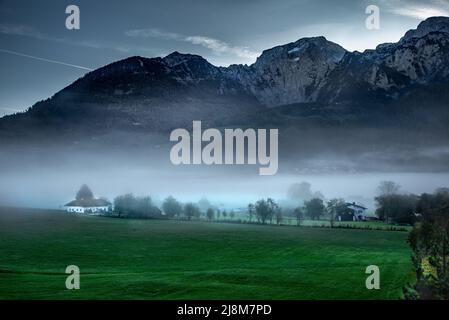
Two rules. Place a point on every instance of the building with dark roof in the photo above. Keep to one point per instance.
(353, 212)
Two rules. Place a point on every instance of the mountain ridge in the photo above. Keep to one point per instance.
(326, 82)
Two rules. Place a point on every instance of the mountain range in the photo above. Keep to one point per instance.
(311, 83)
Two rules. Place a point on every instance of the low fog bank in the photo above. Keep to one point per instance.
(337, 163)
(52, 183)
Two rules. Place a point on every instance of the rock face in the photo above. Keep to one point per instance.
(160, 94)
(314, 69)
(433, 24)
(292, 73)
(420, 58)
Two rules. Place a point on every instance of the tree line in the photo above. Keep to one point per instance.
(392, 206)
(130, 206)
(267, 211)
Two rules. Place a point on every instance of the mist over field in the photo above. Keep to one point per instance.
(48, 177)
(347, 120)
(207, 150)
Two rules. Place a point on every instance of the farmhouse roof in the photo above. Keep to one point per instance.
(86, 203)
(355, 205)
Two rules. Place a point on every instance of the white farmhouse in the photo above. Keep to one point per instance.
(86, 203)
(90, 207)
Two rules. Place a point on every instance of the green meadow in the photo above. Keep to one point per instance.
(168, 259)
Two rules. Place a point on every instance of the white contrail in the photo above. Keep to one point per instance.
(46, 60)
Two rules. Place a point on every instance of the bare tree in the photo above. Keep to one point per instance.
(263, 210)
(278, 213)
(299, 214)
(314, 208)
(172, 207)
(300, 191)
(386, 190)
(251, 211)
(191, 210)
(210, 214)
(332, 208)
(274, 207)
(84, 193)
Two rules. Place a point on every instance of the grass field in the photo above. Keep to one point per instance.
(150, 259)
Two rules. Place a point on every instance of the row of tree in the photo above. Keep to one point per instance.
(263, 211)
(403, 208)
(130, 206)
(268, 210)
(392, 207)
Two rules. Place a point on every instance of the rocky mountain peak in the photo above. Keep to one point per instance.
(433, 24)
(293, 72)
(176, 58)
(190, 66)
(314, 48)
(392, 70)
(309, 70)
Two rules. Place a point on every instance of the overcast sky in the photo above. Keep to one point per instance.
(39, 56)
